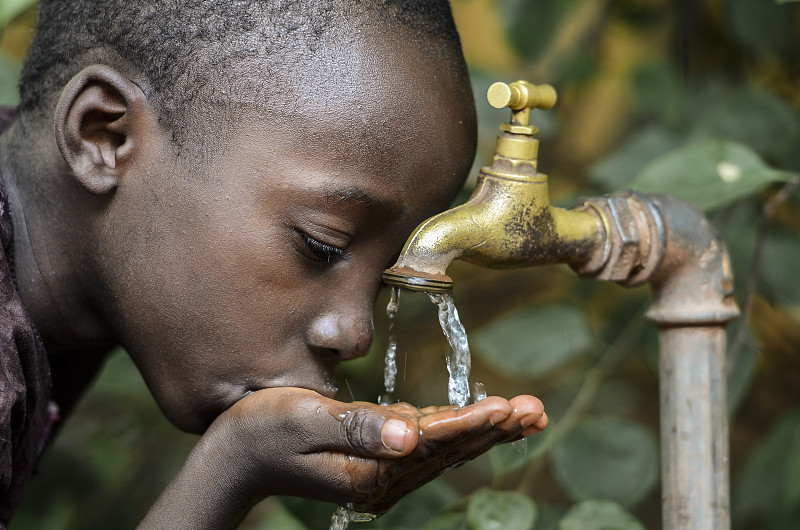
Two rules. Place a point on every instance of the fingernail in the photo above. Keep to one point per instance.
(394, 433)
(529, 420)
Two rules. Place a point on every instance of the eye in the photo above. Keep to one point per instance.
(321, 252)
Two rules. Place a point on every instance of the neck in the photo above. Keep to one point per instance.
(45, 250)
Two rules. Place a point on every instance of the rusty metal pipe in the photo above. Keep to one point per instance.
(694, 428)
(664, 241)
(692, 302)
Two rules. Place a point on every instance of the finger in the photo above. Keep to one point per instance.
(436, 408)
(364, 429)
(406, 410)
(438, 431)
(537, 426)
(450, 425)
(399, 484)
(527, 410)
(450, 437)
(502, 424)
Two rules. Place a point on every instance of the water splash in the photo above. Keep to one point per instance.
(478, 392)
(458, 366)
(342, 518)
(394, 304)
(458, 357)
(390, 361)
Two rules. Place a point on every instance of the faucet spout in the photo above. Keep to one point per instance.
(508, 222)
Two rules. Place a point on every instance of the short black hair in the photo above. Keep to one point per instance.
(180, 47)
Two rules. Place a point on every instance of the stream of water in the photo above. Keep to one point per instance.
(458, 366)
(458, 357)
(390, 360)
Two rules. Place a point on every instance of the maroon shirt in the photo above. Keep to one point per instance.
(24, 374)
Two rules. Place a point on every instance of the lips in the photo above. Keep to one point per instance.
(325, 385)
(325, 388)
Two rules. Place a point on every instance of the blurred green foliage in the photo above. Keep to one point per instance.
(699, 99)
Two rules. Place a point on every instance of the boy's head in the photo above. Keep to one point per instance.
(201, 59)
(237, 176)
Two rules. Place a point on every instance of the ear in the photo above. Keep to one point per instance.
(100, 117)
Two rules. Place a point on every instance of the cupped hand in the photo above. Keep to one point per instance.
(292, 441)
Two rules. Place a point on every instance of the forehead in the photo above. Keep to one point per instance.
(374, 88)
(367, 108)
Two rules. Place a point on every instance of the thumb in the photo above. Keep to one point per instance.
(366, 430)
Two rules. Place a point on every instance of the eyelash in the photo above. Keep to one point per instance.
(321, 251)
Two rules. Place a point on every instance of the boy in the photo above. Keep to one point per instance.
(217, 186)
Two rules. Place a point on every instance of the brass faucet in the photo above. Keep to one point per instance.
(508, 221)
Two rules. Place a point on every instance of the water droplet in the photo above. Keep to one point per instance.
(521, 446)
(478, 392)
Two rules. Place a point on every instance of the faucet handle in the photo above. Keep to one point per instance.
(521, 95)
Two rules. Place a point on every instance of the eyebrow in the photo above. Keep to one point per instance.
(353, 194)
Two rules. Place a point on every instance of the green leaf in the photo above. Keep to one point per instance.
(617, 170)
(779, 266)
(791, 477)
(599, 515)
(607, 458)
(509, 457)
(785, 1)
(657, 89)
(764, 122)
(9, 9)
(531, 24)
(762, 26)
(709, 175)
(769, 487)
(447, 521)
(500, 510)
(416, 508)
(741, 374)
(533, 341)
(548, 516)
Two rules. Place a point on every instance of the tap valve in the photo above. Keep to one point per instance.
(517, 150)
(521, 97)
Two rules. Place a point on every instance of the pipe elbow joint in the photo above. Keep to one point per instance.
(664, 241)
(693, 284)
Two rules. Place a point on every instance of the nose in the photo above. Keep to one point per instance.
(346, 337)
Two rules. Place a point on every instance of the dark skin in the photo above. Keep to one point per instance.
(237, 286)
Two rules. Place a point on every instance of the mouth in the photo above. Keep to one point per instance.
(328, 389)
(326, 386)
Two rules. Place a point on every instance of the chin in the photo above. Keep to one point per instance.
(195, 417)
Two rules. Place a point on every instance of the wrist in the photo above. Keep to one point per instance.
(209, 491)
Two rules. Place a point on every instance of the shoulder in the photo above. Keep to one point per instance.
(24, 380)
